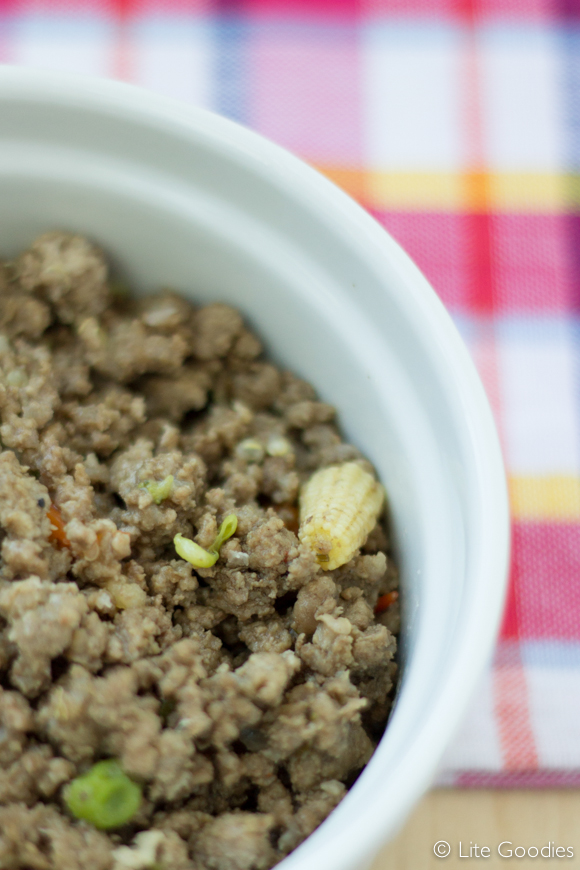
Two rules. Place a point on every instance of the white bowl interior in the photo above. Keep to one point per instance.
(213, 211)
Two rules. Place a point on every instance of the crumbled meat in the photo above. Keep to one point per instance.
(69, 272)
(16, 720)
(305, 414)
(215, 329)
(236, 841)
(310, 598)
(243, 697)
(258, 386)
(266, 636)
(42, 618)
(174, 397)
(44, 839)
(314, 808)
(124, 348)
(27, 317)
(23, 519)
(153, 848)
(104, 421)
(28, 395)
(36, 774)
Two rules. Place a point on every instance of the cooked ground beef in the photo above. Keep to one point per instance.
(243, 698)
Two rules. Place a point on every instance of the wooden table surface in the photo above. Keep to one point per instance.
(486, 818)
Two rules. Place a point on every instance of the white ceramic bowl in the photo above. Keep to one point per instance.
(181, 197)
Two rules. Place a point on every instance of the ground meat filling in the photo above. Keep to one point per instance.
(243, 698)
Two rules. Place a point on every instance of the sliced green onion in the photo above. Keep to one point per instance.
(227, 529)
(159, 491)
(193, 553)
(278, 446)
(103, 796)
(16, 378)
(196, 555)
(250, 449)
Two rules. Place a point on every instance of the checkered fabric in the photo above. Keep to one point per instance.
(456, 123)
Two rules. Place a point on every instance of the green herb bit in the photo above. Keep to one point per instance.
(159, 491)
(193, 553)
(227, 529)
(278, 446)
(103, 796)
(196, 555)
(250, 449)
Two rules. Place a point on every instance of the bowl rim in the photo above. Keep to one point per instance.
(475, 637)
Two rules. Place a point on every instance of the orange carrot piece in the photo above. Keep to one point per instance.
(385, 601)
(57, 534)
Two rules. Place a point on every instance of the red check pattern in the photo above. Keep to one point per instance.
(456, 123)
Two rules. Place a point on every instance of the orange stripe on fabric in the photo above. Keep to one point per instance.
(476, 183)
(460, 192)
(511, 708)
(415, 191)
(477, 190)
(554, 497)
(352, 181)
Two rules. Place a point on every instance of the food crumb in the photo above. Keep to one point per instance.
(235, 696)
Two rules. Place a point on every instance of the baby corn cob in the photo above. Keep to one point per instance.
(339, 506)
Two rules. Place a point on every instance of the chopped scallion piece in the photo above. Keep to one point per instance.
(103, 796)
(159, 491)
(193, 553)
(227, 529)
(196, 555)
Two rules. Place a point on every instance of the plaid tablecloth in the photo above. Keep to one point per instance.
(457, 125)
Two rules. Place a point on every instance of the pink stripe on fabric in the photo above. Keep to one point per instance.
(306, 92)
(436, 242)
(517, 779)
(138, 8)
(108, 8)
(423, 8)
(304, 8)
(547, 562)
(511, 709)
(350, 9)
(480, 285)
(6, 45)
(531, 263)
(48, 8)
(121, 67)
(532, 9)
(509, 629)
(527, 9)
(529, 258)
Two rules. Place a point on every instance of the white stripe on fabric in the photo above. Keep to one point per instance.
(412, 96)
(521, 98)
(538, 387)
(476, 745)
(554, 701)
(79, 45)
(174, 58)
